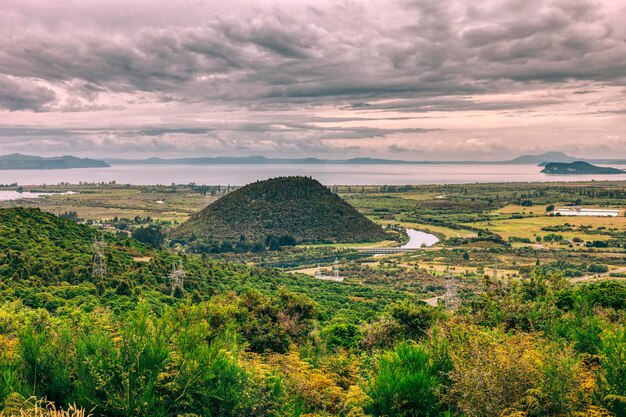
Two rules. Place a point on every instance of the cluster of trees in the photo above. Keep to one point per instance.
(124, 224)
(551, 237)
(151, 235)
(213, 190)
(243, 245)
(70, 215)
(558, 228)
(571, 269)
(199, 246)
(597, 244)
(483, 236)
(516, 239)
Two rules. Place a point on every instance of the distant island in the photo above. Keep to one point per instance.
(19, 161)
(578, 168)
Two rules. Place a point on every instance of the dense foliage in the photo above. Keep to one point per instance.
(240, 340)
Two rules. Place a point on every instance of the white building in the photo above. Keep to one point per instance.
(581, 211)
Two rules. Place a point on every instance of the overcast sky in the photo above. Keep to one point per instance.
(404, 79)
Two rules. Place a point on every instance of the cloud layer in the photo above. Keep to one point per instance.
(423, 78)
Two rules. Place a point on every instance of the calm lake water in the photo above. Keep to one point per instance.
(327, 174)
(417, 239)
(14, 195)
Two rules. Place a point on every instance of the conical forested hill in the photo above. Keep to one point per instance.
(299, 207)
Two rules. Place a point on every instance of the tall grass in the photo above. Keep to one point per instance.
(613, 362)
(119, 373)
(47, 358)
(41, 408)
(137, 365)
(10, 380)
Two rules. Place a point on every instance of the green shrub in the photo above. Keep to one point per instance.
(404, 383)
(344, 335)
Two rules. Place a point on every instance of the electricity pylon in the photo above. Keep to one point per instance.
(177, 277)
(451, 296)
(99, 267)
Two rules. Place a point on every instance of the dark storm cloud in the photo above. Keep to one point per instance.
(439, 48)
(163, 131)
(257, 137)
(23, 94)
(547, 41)
(291, 131)
(455, 104)
(398, 149)
(34, 132)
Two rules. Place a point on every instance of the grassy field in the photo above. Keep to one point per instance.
(515, 208)
(530, 227)
(426, 196)
(541, 209)
(104, 202)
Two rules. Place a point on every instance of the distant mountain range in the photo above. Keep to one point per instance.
(543, 158)
(19, 161)
(261, 160)
(253, 160)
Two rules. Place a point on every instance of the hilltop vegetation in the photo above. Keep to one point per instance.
(296, 207)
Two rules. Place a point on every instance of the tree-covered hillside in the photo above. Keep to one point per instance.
(39, 250)
(299, 207)
(35, 245)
